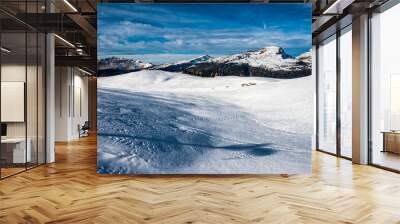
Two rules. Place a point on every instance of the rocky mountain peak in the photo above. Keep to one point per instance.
(305, 57)
(273, 51)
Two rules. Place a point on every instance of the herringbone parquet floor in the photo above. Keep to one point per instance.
(70, 191)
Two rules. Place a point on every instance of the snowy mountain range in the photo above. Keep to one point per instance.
(179, 66)
(116, 66)
(271, 62)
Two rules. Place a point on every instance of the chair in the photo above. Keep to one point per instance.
(84, 130)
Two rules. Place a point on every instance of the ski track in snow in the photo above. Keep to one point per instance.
(153, 130)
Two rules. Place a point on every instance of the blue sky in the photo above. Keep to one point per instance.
(161, 33)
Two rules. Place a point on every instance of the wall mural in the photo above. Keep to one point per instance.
(204, 88)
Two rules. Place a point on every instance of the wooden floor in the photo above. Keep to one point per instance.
(5, 172)
(387, 159)
(70, 191)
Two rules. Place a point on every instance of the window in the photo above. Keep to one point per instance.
(346, 92)
(22, 77)
(327, 95)
(395, 102)
(385, 89)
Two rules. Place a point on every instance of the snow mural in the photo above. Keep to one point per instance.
(204, 89)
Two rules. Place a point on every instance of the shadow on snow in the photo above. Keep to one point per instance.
(134, 125)
(253, 149)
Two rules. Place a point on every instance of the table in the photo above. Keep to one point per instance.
(13, 150)
(391, 141)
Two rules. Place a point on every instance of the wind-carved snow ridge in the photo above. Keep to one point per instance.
(153, 121)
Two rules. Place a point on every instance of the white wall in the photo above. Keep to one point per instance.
(13, 72)
(13, 101)
(62, 82)
(71, 102)
(81, 102)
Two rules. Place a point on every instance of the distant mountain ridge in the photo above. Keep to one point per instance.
(116, 66)
(272, 62)
(180, 66)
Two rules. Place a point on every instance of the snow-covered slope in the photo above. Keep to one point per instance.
(153, 121)
(283, 102)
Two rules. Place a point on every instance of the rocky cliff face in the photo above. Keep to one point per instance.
(306, 57)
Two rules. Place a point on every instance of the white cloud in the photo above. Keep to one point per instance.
(138, 38)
